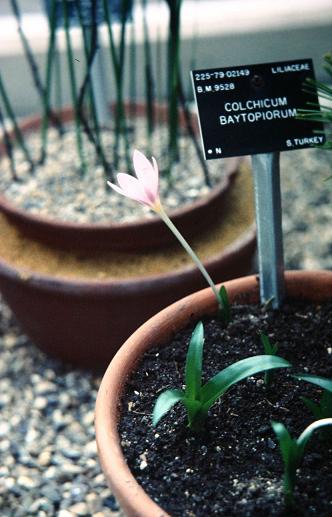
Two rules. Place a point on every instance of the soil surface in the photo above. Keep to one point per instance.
(234, 467)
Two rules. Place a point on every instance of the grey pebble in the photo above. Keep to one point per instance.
(67, 471)
(41, 504)
(80, 509)
(27, 482)
(52, 492)
(72, 454)
(65, 513)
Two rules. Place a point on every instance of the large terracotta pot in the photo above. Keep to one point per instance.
(312, 286)
(144, 234)
(84, 321)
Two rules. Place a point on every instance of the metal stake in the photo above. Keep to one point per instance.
(266, 174)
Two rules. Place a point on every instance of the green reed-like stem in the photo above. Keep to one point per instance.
(89, 41)
(46, 97)
(9, 147)
(173, 80)
(160, 65)
(192, 134)
(88, 47)
(118, 63)
(18, 133)
(58, 77)
(92, 136)
(73, 88)
(149, 86)
(33, 66)
(132, 72)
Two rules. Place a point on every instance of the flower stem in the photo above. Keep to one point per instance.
(161, 212)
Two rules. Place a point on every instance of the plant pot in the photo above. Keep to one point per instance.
(143, 234)
(85, 321)
(313, 286)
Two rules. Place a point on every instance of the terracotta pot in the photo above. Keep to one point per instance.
(144, 234)
(313, 286)
(84, 322)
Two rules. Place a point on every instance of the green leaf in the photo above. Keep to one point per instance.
(315, 409)
(307, 433)
(322, 382)
(193, 410)
(164, 403)
(225, 307)
(193, 370)
(285, 440)
(291, 458)
(326, 404)
(292, 451)
(269, 349)
(220, 383)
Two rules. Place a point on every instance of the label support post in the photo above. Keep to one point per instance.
(252, 110)
(266, 175)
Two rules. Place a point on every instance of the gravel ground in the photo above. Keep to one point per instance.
(48, 459)
(307, 208)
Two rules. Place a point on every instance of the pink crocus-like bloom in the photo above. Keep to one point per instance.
(145, 187)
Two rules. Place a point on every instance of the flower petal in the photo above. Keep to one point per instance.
(132, 188)
(155, 186)
(147, 174)
(116, 188)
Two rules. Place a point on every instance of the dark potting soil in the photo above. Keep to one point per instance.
(234, 467)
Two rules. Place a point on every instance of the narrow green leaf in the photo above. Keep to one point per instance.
(234, 373)
(193, 409)
(269, 349)
(285, 440)
(164, 403)
(307, 433)
(291, 457)
(326, 404)
(193, 370)
(225, 307)
(314, 408)
(322, 382)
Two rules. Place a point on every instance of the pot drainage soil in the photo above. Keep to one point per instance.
(234, 467)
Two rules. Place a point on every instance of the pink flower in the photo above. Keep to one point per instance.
(144, 188)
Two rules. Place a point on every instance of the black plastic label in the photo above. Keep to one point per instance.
(252, 109)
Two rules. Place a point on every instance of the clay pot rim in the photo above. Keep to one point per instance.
(127, 490)
(80, 285)
(29, 124)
